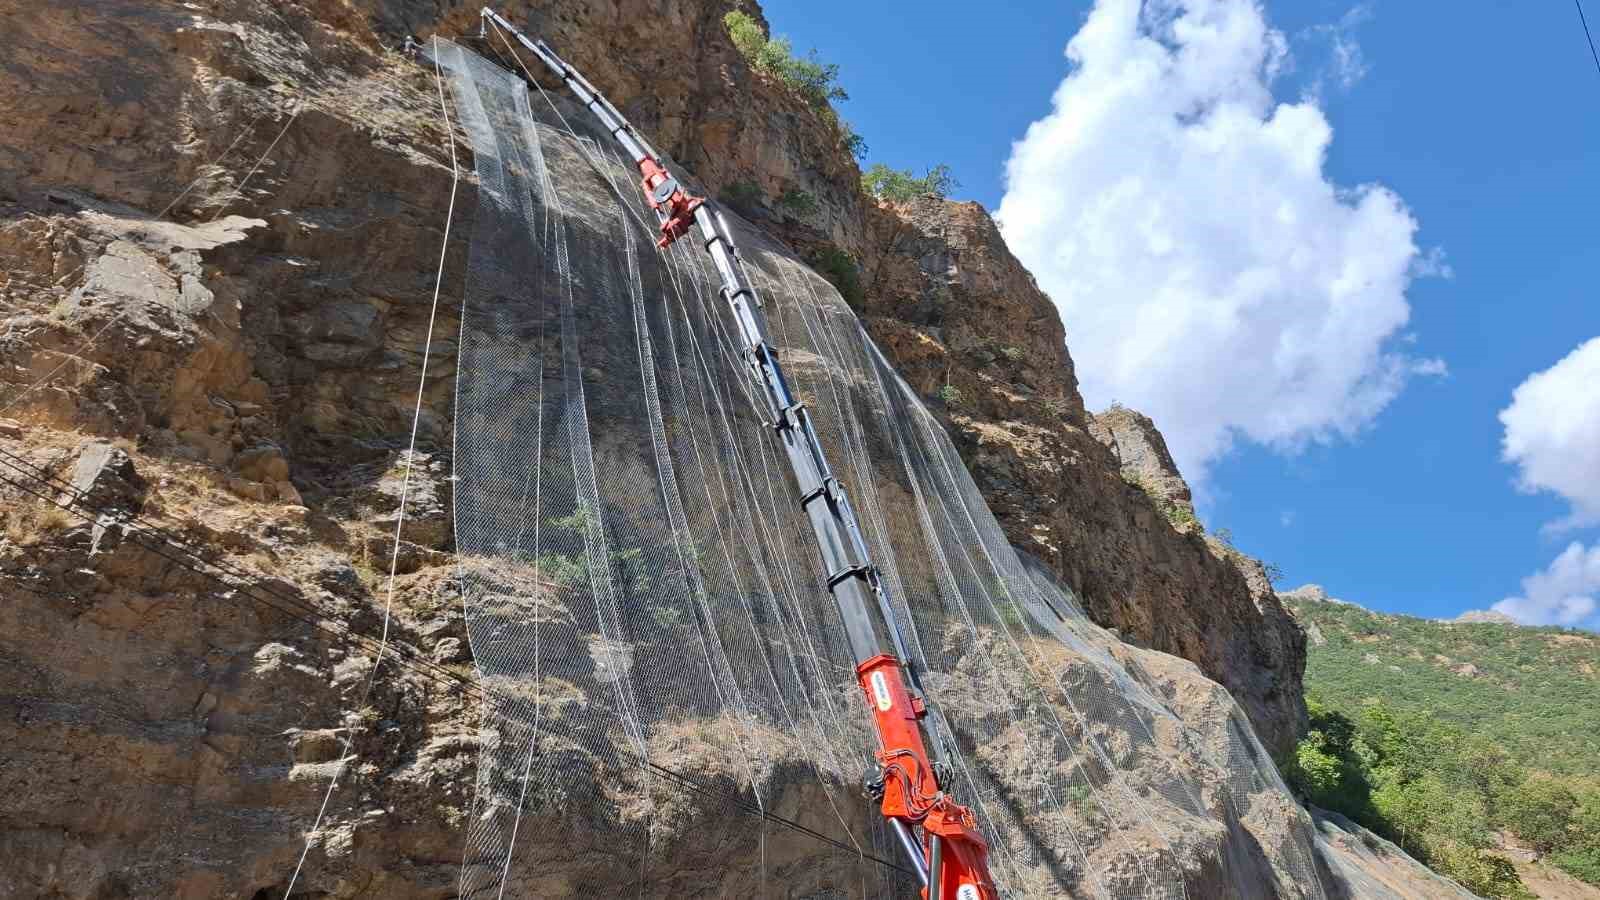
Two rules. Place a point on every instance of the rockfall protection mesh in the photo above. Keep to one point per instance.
(648, 614)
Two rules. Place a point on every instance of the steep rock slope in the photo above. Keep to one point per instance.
(245, 381)
(952, 307)
(971, 330)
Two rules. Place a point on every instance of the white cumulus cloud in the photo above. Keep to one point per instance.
(1208, 271)
(1563, 594)
(1552, 432)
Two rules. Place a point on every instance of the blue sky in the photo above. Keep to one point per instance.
(1483, 126)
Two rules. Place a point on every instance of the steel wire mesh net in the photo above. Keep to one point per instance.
(672, 703)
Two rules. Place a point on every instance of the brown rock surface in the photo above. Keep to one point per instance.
(348, 215)
(1142, 453)
(180, 307)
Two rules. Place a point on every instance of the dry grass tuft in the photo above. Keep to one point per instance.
(33, 521)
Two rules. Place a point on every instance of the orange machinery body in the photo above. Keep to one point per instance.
(957, 854)
(671, 202)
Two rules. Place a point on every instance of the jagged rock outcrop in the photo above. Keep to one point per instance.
(1142, 454)
(969, 328)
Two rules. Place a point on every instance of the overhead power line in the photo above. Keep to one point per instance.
(1587, 36)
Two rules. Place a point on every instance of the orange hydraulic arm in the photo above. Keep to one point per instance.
(939, 836)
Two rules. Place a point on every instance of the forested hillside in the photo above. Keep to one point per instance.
(1534, 691)
(1455, 738)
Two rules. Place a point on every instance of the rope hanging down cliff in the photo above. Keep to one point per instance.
(405, 482)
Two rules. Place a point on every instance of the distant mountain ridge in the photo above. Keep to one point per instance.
(1535, 690)
(1317, 594)
(1485, 615)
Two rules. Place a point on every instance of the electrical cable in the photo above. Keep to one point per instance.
(1587, 36)
(239, 191)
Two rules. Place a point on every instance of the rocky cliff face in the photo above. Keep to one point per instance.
(1096, 497)
(956, 312)
(218, 228)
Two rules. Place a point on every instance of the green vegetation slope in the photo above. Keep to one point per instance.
(1534, 691)
(1448, 736)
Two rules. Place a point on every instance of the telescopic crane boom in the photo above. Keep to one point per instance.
(938, 835)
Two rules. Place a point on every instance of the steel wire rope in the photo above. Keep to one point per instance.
(581, 434)
(74, 356)
(239, 191)
(677, 279)
(1114, 775)
(511, 105)
(950, 584)
(411, 451)
(485, 708)
(564, 123)
(470, 105)
(218, 158)
(942, 502)
(534, 479)
(780, 321)
(729, 440)
(667, 262)
(754, 522)
(749, 487)
(852, 432)
(665, 475)
(687, 555)
(589, 157)
(600, 564)
(629, 711)
(771, 542)
(812, 654)
(417, 664)
(873, 520)
(965, 501)
(945, 578)
(597, 167)
(767, 553)
(833, 362)
(665, 469)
